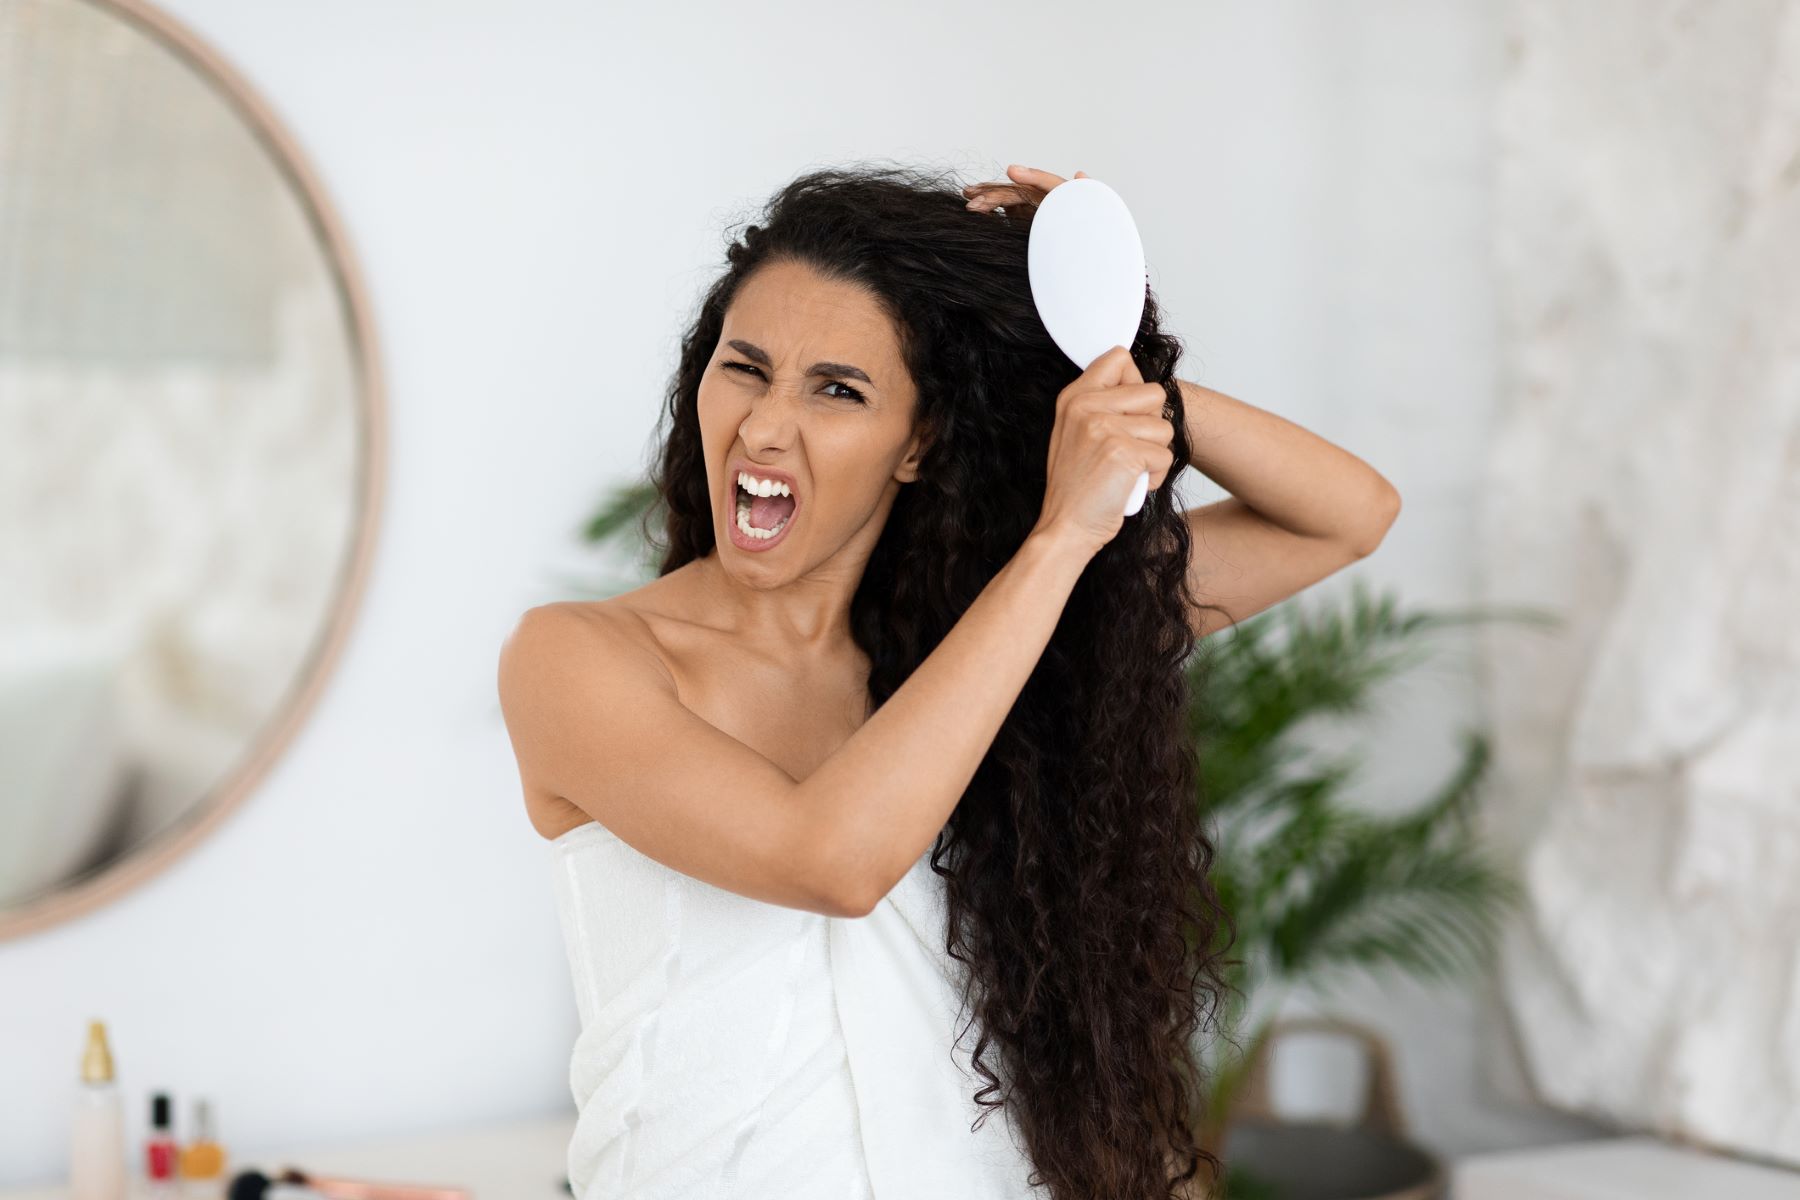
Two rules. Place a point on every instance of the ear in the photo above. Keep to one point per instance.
(908, 470)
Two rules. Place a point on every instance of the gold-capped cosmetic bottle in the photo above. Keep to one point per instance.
(97, 1139)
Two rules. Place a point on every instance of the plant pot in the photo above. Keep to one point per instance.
(1369, 1158)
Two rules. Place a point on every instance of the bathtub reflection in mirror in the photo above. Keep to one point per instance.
(189, 433)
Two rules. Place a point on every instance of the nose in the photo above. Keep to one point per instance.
(769, 423)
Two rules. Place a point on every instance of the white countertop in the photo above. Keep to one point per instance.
(1629, 1168)
(525, 1161)
(517, 1161)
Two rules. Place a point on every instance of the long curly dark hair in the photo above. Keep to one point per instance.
(1075, 866)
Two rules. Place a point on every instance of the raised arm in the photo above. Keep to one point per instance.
(595, 719)
(885, 794)
(1300, 508)
(890, 788)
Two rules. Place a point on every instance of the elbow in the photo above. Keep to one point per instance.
(855, 911)
(841, 887)
(1387, 509)
(852, 898)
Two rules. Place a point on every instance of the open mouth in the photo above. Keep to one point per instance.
(762, 517)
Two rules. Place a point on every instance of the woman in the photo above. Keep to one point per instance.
(894, 749)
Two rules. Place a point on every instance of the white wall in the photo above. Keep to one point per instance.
(1645, 482)
(536, 192)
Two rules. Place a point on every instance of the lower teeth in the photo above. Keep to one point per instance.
(743, 522)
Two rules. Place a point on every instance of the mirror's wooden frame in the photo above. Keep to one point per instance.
(158, 855)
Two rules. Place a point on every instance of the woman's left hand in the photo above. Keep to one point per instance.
(1023, 185)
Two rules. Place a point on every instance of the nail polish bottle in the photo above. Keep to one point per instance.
(203, 1159)
(159, 1150)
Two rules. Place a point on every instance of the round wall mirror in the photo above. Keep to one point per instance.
(191, 433)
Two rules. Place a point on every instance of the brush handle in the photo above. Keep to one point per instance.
(366, 1189)
(1135, 501)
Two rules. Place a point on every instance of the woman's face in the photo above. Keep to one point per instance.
(806, 386)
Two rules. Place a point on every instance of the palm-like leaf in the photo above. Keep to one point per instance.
(621, 513)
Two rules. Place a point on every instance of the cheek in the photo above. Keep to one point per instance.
(851, 472)
(719, 414)
(707, 405)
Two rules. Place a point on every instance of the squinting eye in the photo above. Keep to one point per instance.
(853, 393)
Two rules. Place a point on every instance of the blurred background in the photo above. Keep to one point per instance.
(327, 329)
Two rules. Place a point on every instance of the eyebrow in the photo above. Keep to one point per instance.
(757, 354)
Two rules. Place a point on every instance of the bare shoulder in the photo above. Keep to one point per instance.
(609, 644)
(584, 628)
(602, 733)
(637, 623)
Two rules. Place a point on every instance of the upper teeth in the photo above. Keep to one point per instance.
(762, 487)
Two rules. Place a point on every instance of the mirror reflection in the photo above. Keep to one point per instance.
(182, 443)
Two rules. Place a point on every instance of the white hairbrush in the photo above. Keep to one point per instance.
(1088, 277)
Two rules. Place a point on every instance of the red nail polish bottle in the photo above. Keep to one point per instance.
(160, 1149)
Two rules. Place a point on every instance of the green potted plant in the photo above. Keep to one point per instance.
(1316, 886)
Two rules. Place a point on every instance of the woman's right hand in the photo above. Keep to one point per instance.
(1109, 429)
